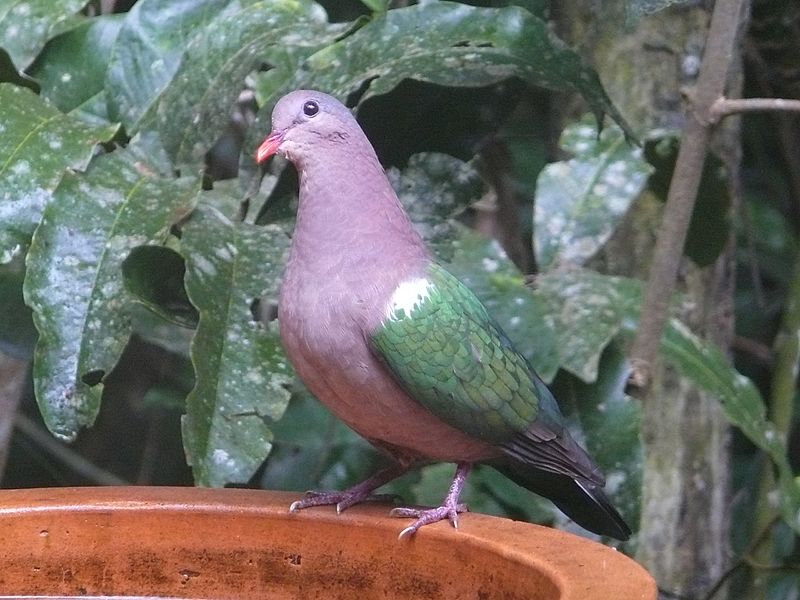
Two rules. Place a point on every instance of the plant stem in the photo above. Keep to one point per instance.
(725, 106)
(683, 187)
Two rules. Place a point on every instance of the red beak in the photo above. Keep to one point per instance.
(269, 146)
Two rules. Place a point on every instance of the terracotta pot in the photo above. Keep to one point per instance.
(201, 543)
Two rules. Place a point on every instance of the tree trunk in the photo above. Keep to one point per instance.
(646, 68)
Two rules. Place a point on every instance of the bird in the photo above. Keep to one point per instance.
(400, 349)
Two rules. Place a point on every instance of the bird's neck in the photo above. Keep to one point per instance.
(349, 217)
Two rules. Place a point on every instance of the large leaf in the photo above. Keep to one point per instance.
(72, 67)
(434, 188)
(710, 370)
(37, 144)
(595, 308)
(26, 25)
(149, 50)
(580, 201)
(587, 310)
(74, 280)
(457, 45)
(197, 104)
(241, 372)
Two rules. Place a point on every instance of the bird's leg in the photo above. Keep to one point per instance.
(361, 492)
(448, 510)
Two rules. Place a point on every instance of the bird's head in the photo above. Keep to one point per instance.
(305, 119)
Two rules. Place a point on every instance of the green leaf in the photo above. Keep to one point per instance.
(197, 104)
(74, 280)
(456, 45)
(377, 5)
(149, 50)
(242, 373)
(434, 188)
(72, 67)
(710, 370)
(26, 25)
(37, 144)
(580, 201)
(587, 310)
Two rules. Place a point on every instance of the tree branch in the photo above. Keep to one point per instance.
(723, 107)
(683, 187)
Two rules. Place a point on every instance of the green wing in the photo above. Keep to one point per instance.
(449, 354)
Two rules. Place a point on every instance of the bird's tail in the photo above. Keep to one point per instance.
(582, 501)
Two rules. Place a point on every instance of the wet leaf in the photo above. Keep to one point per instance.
(37, 144)
(580, 201)
(148, 51)
(709, 369)
(586, 311)
(457, 45)
(26, 25)
(72, 67)
(242, 373)
(197, 103)
(74, 280)
(434, 188)
(377, 5)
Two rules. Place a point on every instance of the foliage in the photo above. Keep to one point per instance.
(106, 193)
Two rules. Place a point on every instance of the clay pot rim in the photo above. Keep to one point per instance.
(579, 567)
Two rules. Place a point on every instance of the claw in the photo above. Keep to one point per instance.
(355, 495)
(449, 509)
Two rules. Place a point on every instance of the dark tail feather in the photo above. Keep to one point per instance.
(582, 501)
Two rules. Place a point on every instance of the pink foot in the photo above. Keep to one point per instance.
(342, 500)
(427, 516)
(355, 495)
(449, 509)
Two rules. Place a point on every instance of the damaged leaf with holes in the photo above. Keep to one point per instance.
(452, 44)
(242, 375)
(74, 279)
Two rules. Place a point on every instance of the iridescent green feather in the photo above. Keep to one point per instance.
(450, 355)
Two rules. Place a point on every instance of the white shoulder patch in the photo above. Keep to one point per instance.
(408, 296)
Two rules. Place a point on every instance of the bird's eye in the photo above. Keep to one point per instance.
(310, 108)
